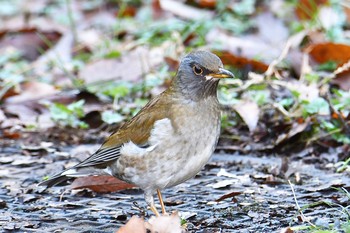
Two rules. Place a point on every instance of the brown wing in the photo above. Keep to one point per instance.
(137, 130)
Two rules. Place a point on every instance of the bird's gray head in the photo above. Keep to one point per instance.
(199, 74)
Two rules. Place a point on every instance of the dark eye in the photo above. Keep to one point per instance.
(197, 70)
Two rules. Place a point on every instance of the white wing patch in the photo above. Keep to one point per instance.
(162, 129)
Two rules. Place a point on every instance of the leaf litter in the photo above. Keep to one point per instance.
(276, 106)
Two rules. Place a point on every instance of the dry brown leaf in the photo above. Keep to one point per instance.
(32, 91)
(249, 112)
(248, 46)
(339, 53)
(296, 128)
(11, 134)
(346, 9)
(100, 184)
(228, 195)
(241, 62)
(26, 113)
(207, 3)
(134, 225)
(324, 52)
(343, 80)
(286, 230)
(30, 41)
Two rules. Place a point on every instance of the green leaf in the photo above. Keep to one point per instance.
(68, 115)
(111, 117)
(327, 66)
(318, 105)
(286, 102)
(113, 54)
(59, 112)
(312, 77)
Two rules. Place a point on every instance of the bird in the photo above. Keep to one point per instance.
(170, 139)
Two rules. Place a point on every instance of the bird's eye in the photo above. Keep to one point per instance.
(197, 70)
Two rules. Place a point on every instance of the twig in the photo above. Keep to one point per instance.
(298, 207)
(338, 113)
(71, 21)
(61, 196)
(290, 42)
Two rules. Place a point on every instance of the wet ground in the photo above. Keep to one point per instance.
(233, 193)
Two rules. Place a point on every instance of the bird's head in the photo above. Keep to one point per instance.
(198, 75)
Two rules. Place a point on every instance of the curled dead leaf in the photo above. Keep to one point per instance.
(228, 195)
(100, 184)
(249, 112)
(241, 62)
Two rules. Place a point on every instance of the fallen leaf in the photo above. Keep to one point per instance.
(206, 3)
(247, 46)
(347, 12)
(165, 224)
(249, 112)
(339, 53)
(325, 52)
(229, 195)
(61, 52)
(26, 114)
(161, 224)
(32, 91)
(100, 184)
(241, 62)
(185, 11)
(286, 230)
(30, 41)
(128, 11)
(2, 116)
(296, 128)
(329, 17)
(130, 67)
(134, 225)
(11, 134)
(222, 184)
(342, 80)
(3, 204)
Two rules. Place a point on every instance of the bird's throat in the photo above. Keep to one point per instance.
(199, 90)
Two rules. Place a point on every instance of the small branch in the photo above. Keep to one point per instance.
(292, 41)
(71, 21)
(298, 207)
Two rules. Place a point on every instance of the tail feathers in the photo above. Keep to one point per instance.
(57, 179)
(71, 173)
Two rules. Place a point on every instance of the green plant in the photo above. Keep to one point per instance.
(68, 115)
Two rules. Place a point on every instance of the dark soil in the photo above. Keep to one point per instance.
(233, 193)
